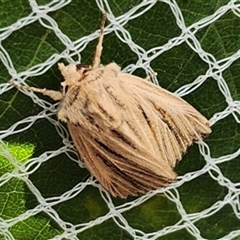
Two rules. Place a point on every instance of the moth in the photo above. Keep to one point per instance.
(129, 132)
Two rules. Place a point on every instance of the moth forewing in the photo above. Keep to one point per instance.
(119, 175)
(129, 132)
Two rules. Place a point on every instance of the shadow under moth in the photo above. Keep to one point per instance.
(129, 132)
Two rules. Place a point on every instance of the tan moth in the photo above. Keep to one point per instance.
(129, 132)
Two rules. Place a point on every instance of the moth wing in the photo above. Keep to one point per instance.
(129, 132)
(118, 171)
(174, 122)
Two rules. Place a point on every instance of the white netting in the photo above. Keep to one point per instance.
(116, 25)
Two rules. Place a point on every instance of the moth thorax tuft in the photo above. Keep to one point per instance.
(70, 74)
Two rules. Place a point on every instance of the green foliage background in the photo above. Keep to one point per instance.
(34, 44)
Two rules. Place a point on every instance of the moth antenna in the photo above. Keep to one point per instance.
(98, 51)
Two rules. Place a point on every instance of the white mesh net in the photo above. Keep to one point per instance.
(173, 214)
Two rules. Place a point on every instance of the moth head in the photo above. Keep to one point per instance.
(72, 74)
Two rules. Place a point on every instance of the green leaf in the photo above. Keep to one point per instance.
(37, 206)
(14, 195)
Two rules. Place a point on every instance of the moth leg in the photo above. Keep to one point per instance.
(148, 77)
(55, 95)
(98, 51)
